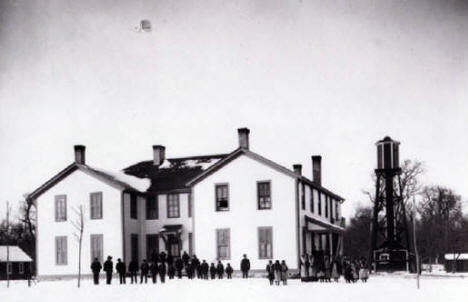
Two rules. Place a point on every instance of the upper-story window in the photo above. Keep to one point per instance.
(60, 207)
(264, 195)
(311, 200)
(319, 203)
(222, 197)
(95, 205)
(152, 207)
(173, 208)
(133, 206)
(303, 197)
(326, 205)
(337, 216)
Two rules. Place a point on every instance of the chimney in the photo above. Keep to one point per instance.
(317, 169)
(243, 137)
(159, 154)
(80, 154)
(297, 169)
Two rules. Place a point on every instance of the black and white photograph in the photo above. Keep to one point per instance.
(242, 150)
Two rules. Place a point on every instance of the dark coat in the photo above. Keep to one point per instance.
(120, 267)
(144, 268)
(162, 268)
(108, 266)
(213, 269)
(229, 269)
(153, 268)
(133, 266)
(245, 265)
(220, 268)
(96, 266)
(204, 268)
(179, 264)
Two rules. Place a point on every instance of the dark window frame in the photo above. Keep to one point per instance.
(264, 205)
(95, 202)
(152, 238)
(218, 245)
(303, 205)
(60, 199)
(312, 201)
(327, 198)
(265, 255)
(220, 199)
(320, 203)
(176, 205)
(61, 259)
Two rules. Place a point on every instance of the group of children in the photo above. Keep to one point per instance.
(319, 267)
(277, 272)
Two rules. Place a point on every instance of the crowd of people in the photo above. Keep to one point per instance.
(161, 266)
(313, 267)
(319, 267)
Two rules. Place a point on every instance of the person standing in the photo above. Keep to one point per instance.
(96, 269)
(284, 272)
(133, 269)
(245, 267)
(154, 271)
(121, 270)
(220, 270)
(303, 268)
(196, 266)
(212, 271)
(189, 269)
(327, 269)
(204, 269)
(270, 272)
(162, 271)
(170, 270)
(363, 272)
(185, 258)
(277, 270)
(334, 270)
(229, 271)
(312, 268)
(144, 268)
(109, 269)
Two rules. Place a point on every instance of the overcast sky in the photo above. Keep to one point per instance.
(307, 77)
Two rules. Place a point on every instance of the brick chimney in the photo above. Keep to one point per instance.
(80, 154)
(297, 169)
(159, 154)
(243, 137)
(317, 169)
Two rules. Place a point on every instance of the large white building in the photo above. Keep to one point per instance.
(216, 206)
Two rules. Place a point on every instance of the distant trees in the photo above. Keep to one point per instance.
(357, 234)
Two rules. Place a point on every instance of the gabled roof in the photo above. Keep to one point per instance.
(119, 180)
(16, 254)
(174, 173)
(242, 151)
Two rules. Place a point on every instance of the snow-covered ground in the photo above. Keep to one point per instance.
(379, 288)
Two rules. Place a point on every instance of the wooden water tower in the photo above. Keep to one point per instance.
(389, 231)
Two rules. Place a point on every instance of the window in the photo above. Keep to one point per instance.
(222, 197)
(152, 207)
(97, 247)
(95, 200)
(189, 204)
(134, 247)
(303, 197)
(264, 195)
(337, 216)
(173, 206)
(21, 268)
(326, 205)
(331, 209)
(311, 200)
(60, 207)
(223, 244)
(265, 242)
(9, 268)
(61, 250)
(133, 206)
(319, 203)
(152, 245)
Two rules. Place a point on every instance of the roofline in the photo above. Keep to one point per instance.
(234, 154)
(324, 224)
(85, 169)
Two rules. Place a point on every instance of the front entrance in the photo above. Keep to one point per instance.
(173, 245)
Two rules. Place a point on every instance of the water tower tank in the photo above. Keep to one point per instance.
(388, 154)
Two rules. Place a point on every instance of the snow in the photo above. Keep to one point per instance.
(191, 163)
(15, 254)
(378, 288)
(140, 184)
(456, 256)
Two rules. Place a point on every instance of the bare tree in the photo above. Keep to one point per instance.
(78, 224)
(7, 228)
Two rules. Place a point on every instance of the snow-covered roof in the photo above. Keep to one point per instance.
(140, 184)
(461, 256)
(16, 254)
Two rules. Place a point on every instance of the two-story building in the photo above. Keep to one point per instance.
(217, 206)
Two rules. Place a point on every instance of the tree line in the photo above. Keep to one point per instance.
(441, 227)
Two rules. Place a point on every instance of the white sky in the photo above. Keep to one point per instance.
(307, 77)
